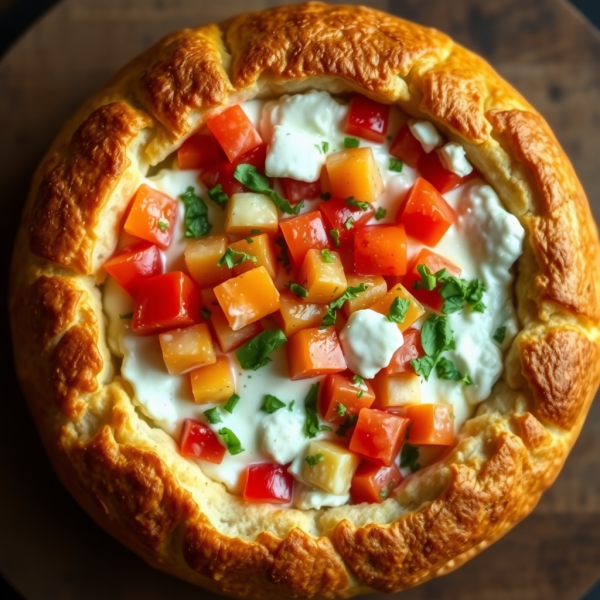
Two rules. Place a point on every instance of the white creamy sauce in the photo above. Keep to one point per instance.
(484, 243)
(454, 158)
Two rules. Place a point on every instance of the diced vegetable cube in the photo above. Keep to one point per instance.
(324, 181)
(201, 258)
(411, 349)
(378, 436)
(313, 352)
(152, 216)
(247, 298)
(372, 483)
(234, 132)
(392, 391)
(132, 264)
(407, 147)
(415, 310)
(322, 276)
(187, 349)
(431, 169)
(213, 383)
(227, 338)
(166, 302)
(295, 191)
(354, 172)
(380, 250)
(332, 467)
(294, 314)
(376, 288)
(246, 212)
(303, 233)
(268, 483)
(425, 214)
(200, 442)
(430, 424)
(367, 119)
(346, 217)
(342, 398)
(199, 151)
(261, 247)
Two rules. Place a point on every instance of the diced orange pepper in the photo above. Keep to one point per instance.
(313, 352)
(201, 258)
(213, 383)
(376, 288)
(414, 312)
(294, 314)
(261, 247)
(324, 281)
(380, 250)
(303, 233)
(152, 216)
(247, 298)
(373, 483)
(354, 172)
(234, 131)
(324, 181)
(397, 390)
(341, 398)
(187, 349)
(228, 338)
(430, 424)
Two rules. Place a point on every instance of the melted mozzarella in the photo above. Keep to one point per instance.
(454, 159)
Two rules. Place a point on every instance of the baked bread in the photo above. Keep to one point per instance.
(130, 476)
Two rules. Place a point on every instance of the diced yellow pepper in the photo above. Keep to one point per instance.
(213, 383)
(324, 281)
(391, 391)
(261, 247)
(414, 312)
(187, 349)
(201, 258)
(354, 172)
(376, 289)
(333, 467)
(228, 338)
(248, 212)
(295, 315)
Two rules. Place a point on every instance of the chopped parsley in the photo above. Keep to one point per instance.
(255, 231)
(445, 369)
(349, 224)
(127, 316)
(312, 426)
(297, 289)
(249, 240)
(218, 196)
(196, 214)
(314, 459)
(327, 256)
(360, 393)
(396, 165)
(350, 421)
(380, 213)
(291, 405)
(388, 490)
(212, 415)
(335, 236)
(163, 225)
(409, 457)
(323, 148)
(271, 404)
(205, 313)
(352, 202)
(255, 353)
(331, 314)
(351, 142)
(341, 410)
(499, 334)
(398, 310)
(232, 258)
(231, 440)
(358, 380)
(231, 403)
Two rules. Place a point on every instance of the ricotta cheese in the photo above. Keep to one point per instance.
(454, 159)
(427, 134)
(283, 435)
(306, 498)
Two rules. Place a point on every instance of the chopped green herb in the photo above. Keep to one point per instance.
(249, 240)
(500, 334)
(313, 460)
(351, 292)
(351, 142)
(325, 147)
(388, 490)
(231, 441)
(325, 196)
(358, 380)
(271, 404)
(248, 176)
(127, 316)
(396, 165)
(335, 236)
(380, 213)
(255, 231)
(409, 457)
(352, 202)
(436, 337)
(312, 426)
(218, 196)
(329, 318)
(231, 403)
(349, 224)
(341, 410)
(349, 422)
(196, 214)
(360, 393)
(212, 415)
(398, 310)
(423, 366)
(327, 256)
(232, 258)
(205, 313)
(255, 353)
(163, 225)
(291, 405)
(445, 369)
(428, 280)
(297, 289)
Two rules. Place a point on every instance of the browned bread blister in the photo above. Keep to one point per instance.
(129, 475)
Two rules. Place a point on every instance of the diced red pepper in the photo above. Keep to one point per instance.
(345, 217)
(199, 151)
(425, 214)
(295, 190)
(367, 119)
(430, 424)
(380, 250)
(372, 483)
(407, 147)
(411, 349)
(200, 442)
(431, 168)
(166, 302)
(234, 132)
(303, 233)
(341, 398)
(378, 436)
(268, 483)
(130, 265)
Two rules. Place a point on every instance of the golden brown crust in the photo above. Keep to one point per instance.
(130, 477)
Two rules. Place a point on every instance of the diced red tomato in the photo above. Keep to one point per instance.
(380, 250)
(268, 483)
(303, 233)
(372, 483)
(425, 214)
(436, 263)
(222, 172)
(410, 350)
(430, 424)
(295, 190)
(234, 132)
(199, 151)
(337, 212)
(341, 398)
(346, 252)
(407, 147)
(431, 168)
(166, 302)
(367, 119)
(378, 436)
(130, 265)
(200, 442)
(152, 216)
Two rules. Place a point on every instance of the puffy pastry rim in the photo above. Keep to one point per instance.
(130, 476)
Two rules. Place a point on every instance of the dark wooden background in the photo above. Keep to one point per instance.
(49, 548)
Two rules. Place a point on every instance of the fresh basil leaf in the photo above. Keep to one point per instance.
(423, 366)
(297, 289)
(313, 460)
(452, 305)
(231, 403)
(232, 258)
(291, 405)
(398, 310)
(212, 415)
(255, 353)
(446, 369)
(409, 457)
(329, 319)
(231, 440)
(271, 404)
(312, 426)
(428, 280)
(352, 202)
(351, 142)
(218, 196)
(335, 236)
(196, 214)
(436, 336)
(499, 334)
(327, 256)
(380, 213)
(396, 165)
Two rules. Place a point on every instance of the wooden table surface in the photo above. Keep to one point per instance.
(49, 548)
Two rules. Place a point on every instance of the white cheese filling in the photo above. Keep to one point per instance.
(427, 134)
(454, 158)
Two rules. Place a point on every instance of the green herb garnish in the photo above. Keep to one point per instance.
(297, 289)
(212, 415)
(218, 196)
(163, 225)
(341, 410)
(231, 403)
(271, 404)
(409, 457)
(445, 369)
(312, 426)
(335, 236)
(388, 490)
(231, 440)
(291, 405)
(351, 142)
(196, 214)
(327, 256)
(396, 165)
(350, 421)
(352, 202)
(349, 224)
(351, 292)
(232, 258)
(398, 310)
(255, 231)
(500, 335)
(255, 353)
(314, 459)
(380, 213)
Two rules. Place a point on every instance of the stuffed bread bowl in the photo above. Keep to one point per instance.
(345, 104)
